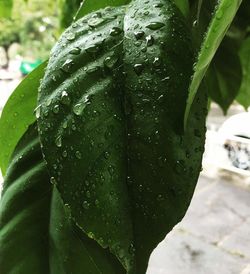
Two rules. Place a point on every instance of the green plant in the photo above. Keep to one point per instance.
(109, 163)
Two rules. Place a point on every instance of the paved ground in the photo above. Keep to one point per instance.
(213, 237)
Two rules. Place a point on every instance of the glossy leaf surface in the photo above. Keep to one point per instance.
(18, 114)
(111, 133)
(244, 93)
(221, 20)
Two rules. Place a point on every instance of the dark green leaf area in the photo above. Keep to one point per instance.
(24, 210)
(37, 234)
(163, 164)
(111, 105)
(225, 74)
(83, 123)
(244, 93)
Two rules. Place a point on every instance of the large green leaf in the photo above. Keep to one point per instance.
(18, 114)
(37, 234)
(222, 18)
(224, 78)
(5, 8)
(24, 211)
(89, 6)
(112, 105)
(244, 93)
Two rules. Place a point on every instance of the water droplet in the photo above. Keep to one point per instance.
(110, 61)
(157, 62)
(106, 154)
(149, 40)
(64, 154)
(88, 194)
(78, 108)
(115, 31)
(139, 34)
(93, 48)
(71, 36)
(78, 155)
(58, 141)
(138, 68)
(160, 198)
(97, 202)
(65, 100)
(52, 180)
(95, 21)
(179, 167)
(56, 109)
(158, 5)
(38, 111)
(155, 25)
(195, 23)
(85, 205)
(75, 51)
(67, 65)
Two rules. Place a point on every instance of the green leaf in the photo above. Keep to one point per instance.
(24, 210)
(18, 114)
(244, 93)
(111, 106)
(89, 6)
(224, 78)
(46, 233)
(183, 5)
(223, 16)
(6, 8)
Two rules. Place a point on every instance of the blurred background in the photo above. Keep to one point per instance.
(214, 236)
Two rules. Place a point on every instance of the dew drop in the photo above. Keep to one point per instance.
(85, 205)
(52, 180)
(149, 40)
(115, 31)
(139, 34)
(110, 61)
(38, 111)
(78, 108)
(71, 36)
(155, 25)
(75, 51)
(156, 62)
(58, 141)
(65, 100)
(78, 155)
(56, 109)
(138, 68)
(95, 21)
(67, 65)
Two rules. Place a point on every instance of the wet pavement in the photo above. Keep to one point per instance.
(213, 237)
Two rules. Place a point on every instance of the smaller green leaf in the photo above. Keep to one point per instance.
(183, 6)
(224, 78)
(88, 6)
(5, 8)
(18, 114)
(244, 93)
(223, 16)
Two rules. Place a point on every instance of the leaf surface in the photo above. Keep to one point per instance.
(244, 93)
(220, 22)
(18, 114)
(224, 78)
(34, 219)
(111, 133)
